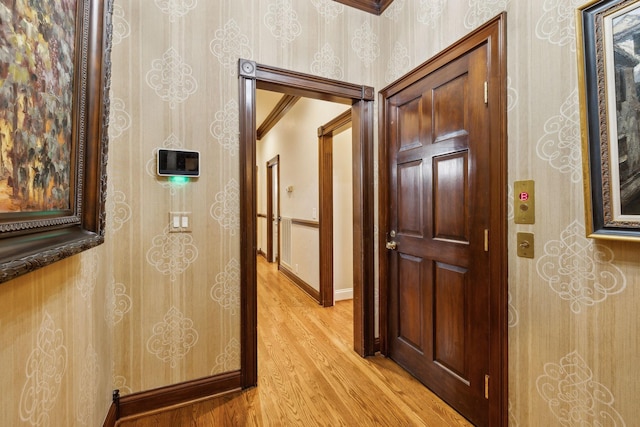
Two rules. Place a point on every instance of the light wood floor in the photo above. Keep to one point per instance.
(310, 376)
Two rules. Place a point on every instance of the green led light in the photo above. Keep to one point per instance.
(178, 179)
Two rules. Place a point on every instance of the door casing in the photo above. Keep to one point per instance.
(251, 77)
(325, 172)
(494, 34)
(271, 204)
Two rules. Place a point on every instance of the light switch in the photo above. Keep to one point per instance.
(524, 202)
(179, 222)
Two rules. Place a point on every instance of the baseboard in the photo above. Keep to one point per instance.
(306, 288)
(112, 416)
(164, 397)
(343, 294)
(262, 253)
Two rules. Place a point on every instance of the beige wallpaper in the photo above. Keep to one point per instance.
(150, 308)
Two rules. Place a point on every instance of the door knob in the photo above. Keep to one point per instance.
(392, 246)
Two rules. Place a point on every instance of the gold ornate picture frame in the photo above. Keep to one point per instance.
(608, 34)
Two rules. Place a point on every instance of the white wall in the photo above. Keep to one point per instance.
(295, 139)
(343, 216)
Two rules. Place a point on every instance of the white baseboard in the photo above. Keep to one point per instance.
(343, 294)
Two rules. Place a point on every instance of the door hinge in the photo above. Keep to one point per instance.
(486, 92)
(486, 240)
(486, 386)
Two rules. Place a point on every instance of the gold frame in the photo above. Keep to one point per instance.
(595, 116)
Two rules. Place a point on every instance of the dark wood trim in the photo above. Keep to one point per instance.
(260, 251)
(372, 6)
(163, 397)
(325, 171)
(492, 33)
(278, 112)
(248, 231)
(305, 223)
(250, 77)
(271, 163)
(112, 416)
(295, 83)
(297, 280)
(363, 228)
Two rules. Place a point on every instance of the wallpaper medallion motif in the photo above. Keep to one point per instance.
(176, 8)
(171, 78)
(87, 278)
(574, 397)
(172, 338)
(557, 24)
(121, 27)
(229, 45)
(226, 208)
(399, 63)
(365, 44)
(579, 270)
(511, 213)
(119, 119)
(480, 11)
(394, 10)
(327, 64)
(88, 380)
(117, 208)
(120, 382)
(226, 290)
(46, 366)
(328, 9)
(561, 143)
(172, 253)
(283, 22)
(430, 11)
(512, 95)
(225, 127)
(514, 316)
(117, 302)
(513, 422)
(228, 360)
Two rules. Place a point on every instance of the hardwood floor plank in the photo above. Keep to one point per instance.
(309, 375)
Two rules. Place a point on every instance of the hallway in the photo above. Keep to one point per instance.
(309, 375)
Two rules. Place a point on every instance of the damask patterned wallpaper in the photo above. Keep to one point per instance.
(151, 308)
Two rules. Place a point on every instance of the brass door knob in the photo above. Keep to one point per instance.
(392, 246)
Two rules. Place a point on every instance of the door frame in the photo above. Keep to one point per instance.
(252, 76)
(325, 171)
(494, 34)
(270, 202)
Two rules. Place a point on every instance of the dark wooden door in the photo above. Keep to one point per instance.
(439, 271)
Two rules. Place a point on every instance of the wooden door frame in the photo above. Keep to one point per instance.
(270, 164)
(252, 76)
(325, 172)
(494, 34)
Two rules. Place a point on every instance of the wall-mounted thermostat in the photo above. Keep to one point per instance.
(178, 163)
